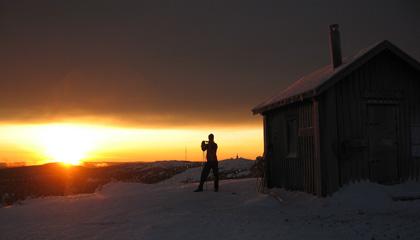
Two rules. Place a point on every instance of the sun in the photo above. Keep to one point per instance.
(66, 143)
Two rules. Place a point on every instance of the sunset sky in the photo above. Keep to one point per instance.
(149, 80)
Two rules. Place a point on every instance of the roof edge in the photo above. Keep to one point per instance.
(297, 98)
(371, 52)
(379, 47)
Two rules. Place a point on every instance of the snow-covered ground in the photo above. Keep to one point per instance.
(232, 168)
(171, 210)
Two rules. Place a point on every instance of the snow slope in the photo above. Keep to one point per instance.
(231, 168)
(171, 210)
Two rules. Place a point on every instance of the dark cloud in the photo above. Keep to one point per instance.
(175, 63)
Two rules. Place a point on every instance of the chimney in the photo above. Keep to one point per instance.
(335, 46)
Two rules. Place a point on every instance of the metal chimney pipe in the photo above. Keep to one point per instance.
(335, 46)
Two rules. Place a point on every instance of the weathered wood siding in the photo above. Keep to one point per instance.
(345, 129)
(346, 148)
(297, 172)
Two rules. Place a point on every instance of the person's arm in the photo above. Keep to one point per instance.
(203, 146)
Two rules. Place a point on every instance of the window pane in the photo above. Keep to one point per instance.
(415, 150)
(415, 134)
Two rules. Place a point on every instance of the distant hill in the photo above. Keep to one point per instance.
(12, 164)
(56, 179)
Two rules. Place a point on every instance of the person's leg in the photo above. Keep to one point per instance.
(204, 174)
(215, 168)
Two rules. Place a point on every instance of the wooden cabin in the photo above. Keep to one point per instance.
(356, 119)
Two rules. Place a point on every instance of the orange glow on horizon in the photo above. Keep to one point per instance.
(77, 143)
(66, 143)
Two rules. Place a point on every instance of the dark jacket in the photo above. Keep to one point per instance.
(211, 148)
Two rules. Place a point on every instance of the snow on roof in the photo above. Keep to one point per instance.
(308, 85)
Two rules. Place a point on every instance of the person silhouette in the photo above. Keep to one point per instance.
(211, 164)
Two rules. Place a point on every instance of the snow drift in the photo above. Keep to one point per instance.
(171, 210)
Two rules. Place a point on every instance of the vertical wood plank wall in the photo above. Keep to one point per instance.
(291, 173)
(345, 150)
(343, 128)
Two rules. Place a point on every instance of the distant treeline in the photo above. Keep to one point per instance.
(12, 164)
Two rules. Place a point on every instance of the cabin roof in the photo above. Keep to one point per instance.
(320, 80)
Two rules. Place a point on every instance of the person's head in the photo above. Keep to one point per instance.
(211, 137)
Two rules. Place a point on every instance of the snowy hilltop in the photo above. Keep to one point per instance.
(55, 179)
(171, 210)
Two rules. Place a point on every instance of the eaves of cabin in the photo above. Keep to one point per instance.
(320, 80)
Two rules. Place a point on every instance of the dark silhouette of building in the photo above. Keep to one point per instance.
(356, 119)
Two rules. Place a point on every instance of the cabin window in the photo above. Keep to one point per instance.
(292, 136)
(415, 140)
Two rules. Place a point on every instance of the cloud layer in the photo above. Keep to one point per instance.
(175, 63)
